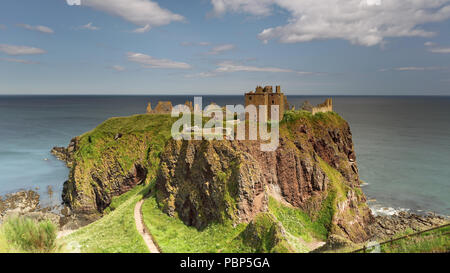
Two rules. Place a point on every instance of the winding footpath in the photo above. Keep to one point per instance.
(142, 230)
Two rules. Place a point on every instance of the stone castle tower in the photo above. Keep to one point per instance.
(266, 96)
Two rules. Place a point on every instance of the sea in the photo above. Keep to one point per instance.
(402, 143)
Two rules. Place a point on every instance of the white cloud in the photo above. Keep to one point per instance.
(429, 44)
(201, 75)
(363, 22)
(89, 26)
(13, 60)
(441, 50)
(255, 7)
(143, 29)
(229, 66)
(416, 68)
(138, 12)
(195, 43)
(20, 50)
(118, 68)
(220, 49)
(42, 29)
(420, 68)
(150, 62)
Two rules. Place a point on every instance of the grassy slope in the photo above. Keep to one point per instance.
(115, 232)
(172, 235)
(433, 241)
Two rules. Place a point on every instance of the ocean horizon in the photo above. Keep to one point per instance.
(402, 143)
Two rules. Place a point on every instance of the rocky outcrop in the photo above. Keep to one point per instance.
(26, 203)
(386, 226)
(66, 154)
(209, 181)
(111, 160)
(313, 169)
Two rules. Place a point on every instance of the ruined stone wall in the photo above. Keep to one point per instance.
(165, 107)
(266, 96)
(327, 106)
(257, 99)
(277, 99)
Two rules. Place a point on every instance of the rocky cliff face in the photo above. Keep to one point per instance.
(313, 169)
(110, 160)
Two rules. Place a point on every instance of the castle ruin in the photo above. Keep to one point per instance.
(327, 106)
(266, 96)
(260, 97)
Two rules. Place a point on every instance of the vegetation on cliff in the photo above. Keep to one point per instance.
(215, 196)
(113, 158)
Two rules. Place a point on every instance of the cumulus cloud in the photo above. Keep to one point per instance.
(89, 26)
(20, 50)
(42, 29)
(118, 68)
(150, 62)
(20, 61)
(143, 29)
(138, 12)
(362, 22)
(229, 66)
(429, 44)
(220, 49)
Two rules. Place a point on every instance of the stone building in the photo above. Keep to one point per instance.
(266, 96)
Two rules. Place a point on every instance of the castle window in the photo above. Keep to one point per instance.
(273, 101)
(250, 98)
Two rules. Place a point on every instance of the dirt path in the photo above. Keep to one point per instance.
(142, 230)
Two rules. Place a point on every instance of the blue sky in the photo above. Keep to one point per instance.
(333, 47)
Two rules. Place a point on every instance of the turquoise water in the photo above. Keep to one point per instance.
(402, 143)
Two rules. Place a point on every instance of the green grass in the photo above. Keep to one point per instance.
(151, 132)
(19, 234)
(116, 231)
(295, 115)
(297, 222)
(173, 236)
(429, 242)
(264, 235)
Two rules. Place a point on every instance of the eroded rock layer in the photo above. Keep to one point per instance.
(314, 169)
